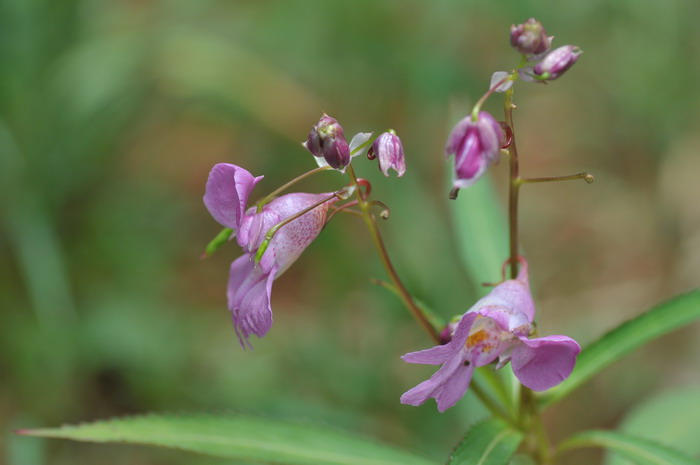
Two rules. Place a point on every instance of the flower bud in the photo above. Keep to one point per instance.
(388, 149)
(326, 141)
(476, 145)
(529, 38)
(556, 62)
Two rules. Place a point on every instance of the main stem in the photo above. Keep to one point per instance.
(365, 208)
(529, 415)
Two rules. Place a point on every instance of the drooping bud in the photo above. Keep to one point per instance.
(327, 142)
(476, 145)
(388, 149)
(529, 37)
(556, 62)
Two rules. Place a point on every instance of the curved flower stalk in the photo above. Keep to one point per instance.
(250, 283)
(496, 327)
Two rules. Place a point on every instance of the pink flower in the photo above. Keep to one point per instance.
(389, 150)
(326, 142)
(475, 145)
(557, 62)
(497, 326)
(250, 284)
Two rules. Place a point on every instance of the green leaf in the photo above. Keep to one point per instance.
(617, 343)
(482, 232)
(492, 442)
(640, 451)
(672, 418)
(241, 437)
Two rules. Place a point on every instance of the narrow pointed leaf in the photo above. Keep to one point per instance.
(651, 420)
(617, 343)
(640, 451)
(492, 442)
(239, 437)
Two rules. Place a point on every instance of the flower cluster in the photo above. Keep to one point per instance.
(299, 217)
(274, 233)
(476, 140)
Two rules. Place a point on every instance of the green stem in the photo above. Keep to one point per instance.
(492, 406)
(365, 208)
(585, 176)
(286, 186)
(514, 186)
(530, 419)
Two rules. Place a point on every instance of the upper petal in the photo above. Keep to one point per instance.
(513, 297)
(227, 192)
(544, 362)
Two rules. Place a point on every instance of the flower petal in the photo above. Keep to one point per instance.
(454, 375)
(249, 290)
(455, 386)
(433, 356)
(544, 362)
(442, 353)
(227, 192)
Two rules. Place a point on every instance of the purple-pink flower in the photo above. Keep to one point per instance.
(389, 151)
(529, 37)
(326, 142)
(497, 326)
(250, 284)
(556, 62)
(475, 145)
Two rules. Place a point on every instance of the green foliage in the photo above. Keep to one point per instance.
(480, 225)
(492, 442)
(658, 321)
(640, 451)
(239, 437)
(672, 418)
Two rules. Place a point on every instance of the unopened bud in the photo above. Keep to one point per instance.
(326, 141)
(556, 62)
(529, 38)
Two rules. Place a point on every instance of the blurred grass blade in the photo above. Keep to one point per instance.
(640, 451)
(672, 418)
(655, 323)
(482, 232)
(492, 442)
(240, 437)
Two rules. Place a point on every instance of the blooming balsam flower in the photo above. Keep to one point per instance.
(497, 326)
(250, 284)
(475, 145)
(389, 150)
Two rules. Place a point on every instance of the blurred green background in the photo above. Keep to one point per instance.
(113, 112)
